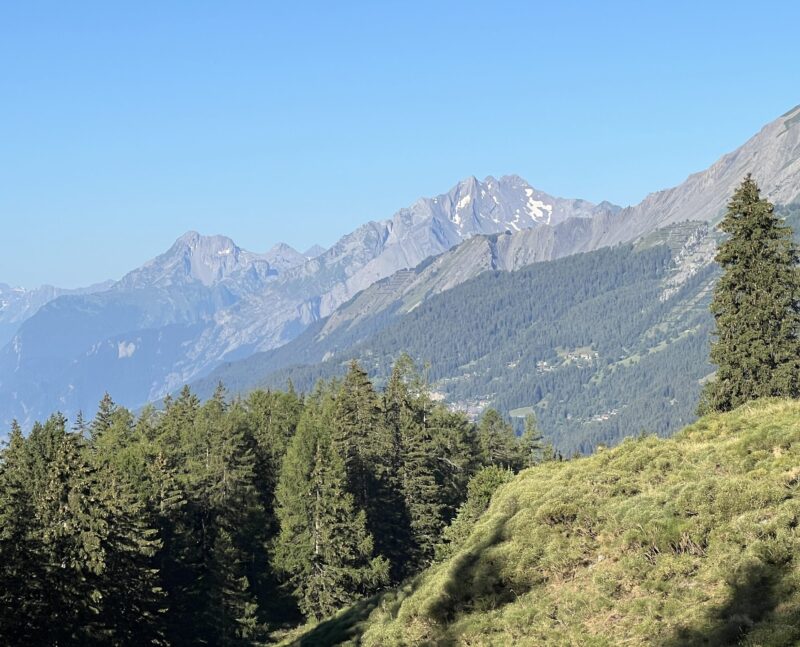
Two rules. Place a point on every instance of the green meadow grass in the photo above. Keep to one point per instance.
(687, 541)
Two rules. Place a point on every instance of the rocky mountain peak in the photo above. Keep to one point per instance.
(192, 257)
(314, 251)
(282, 257)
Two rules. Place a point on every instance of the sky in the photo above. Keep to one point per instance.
(125, 124)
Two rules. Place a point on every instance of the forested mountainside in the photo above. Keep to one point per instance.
(683, 542)
(625, 349)
(207, 301)
(595, 344)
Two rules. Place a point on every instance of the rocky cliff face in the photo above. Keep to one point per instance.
(207, 260)
(772, 156)
(376, 250)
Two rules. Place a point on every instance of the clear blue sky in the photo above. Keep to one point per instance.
(124, 124)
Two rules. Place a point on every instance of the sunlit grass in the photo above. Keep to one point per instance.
(688, 541)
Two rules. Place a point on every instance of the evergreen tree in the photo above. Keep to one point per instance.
(480, 490)
(498, 443)
(422, 492)
(407, 410)
(20, 579)
(368, 447)
(360, 437)
(323, 547)
(79, 426)
(133, 599)
(94, 557)
(531, 443)
(457, 454)
(228, 519)
(104, 417)
(756, 306)
(272, 417)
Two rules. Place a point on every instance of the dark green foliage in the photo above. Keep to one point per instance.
(419, 485)
(361, 439)
(434, 453)
(498, 444)
(479, 493)
(78, 562)
(324, 545)
(756, 306)
(103, 418)
(221, 522)
(533, 449)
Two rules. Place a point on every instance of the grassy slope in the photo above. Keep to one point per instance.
(692, 540)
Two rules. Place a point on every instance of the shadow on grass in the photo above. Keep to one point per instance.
(345, 626)
(756, 598)
(468, 582)
(473, 579)
(348, 625)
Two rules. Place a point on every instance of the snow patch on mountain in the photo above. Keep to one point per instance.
(125, 349)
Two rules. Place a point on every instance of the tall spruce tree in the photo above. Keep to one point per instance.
(531, 443)
(407, 409)
(323, 546)
(104, 416)
(457, 455)
(756, 306)
(20, 577)
(228, 518)
(498, 443)
(359, 436)
(272, 416)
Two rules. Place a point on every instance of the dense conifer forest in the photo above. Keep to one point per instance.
(221, 522)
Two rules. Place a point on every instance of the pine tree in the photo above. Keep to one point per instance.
(457, 456)
(177, 509)
(531, 443)
(756, 306)
(360, 437)
(272, 416)
(323, 546)
(368, 447)
(409, 415)
(480, 490)
(395, 535)
(422, 493)
(228, 521)
(498, 443)
(238, 553)
(20, 578)
(95, 556)
(104, 417)
(133, 599)
(79, 426)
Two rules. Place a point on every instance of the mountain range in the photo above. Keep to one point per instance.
(207, 305)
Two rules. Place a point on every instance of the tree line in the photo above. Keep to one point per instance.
(218, 522)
